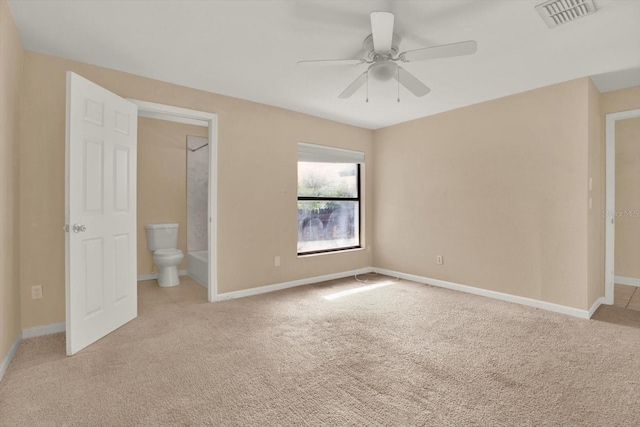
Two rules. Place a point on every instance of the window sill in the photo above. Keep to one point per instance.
(340, 251)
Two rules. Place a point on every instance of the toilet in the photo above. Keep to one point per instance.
(162, 240)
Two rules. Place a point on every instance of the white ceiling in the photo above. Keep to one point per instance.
(249, 49)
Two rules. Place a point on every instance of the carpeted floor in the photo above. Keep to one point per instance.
(401, 354)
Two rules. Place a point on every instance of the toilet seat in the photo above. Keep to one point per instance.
(167, 252)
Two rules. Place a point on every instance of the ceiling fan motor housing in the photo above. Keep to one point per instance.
(371, 53)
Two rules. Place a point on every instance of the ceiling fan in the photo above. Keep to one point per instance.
(382, 55)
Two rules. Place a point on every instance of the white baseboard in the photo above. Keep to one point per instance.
(629, 281)
(571, 311)
(35, 331)
(285, 285)
(7, 359)
(595, 306)
(55, 328)
(152, 276)
(38, 331)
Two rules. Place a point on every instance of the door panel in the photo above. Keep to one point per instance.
(121, 179)
(93, 178)
(94, 275)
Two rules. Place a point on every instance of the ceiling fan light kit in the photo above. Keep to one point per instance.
(382, 54)
(383, 71)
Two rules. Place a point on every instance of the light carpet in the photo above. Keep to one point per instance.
(402, 354)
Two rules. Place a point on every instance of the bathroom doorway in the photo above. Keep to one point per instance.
(206, 269)
(101, 146)
(622, 262)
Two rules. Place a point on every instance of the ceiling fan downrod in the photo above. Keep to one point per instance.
(398, 79)
(367, 100)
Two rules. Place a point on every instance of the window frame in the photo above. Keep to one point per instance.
(358, 199)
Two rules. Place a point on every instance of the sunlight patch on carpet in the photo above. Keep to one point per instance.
(348, 292)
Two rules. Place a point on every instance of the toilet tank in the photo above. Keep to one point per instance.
(161, 236)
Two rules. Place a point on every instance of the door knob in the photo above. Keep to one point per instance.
(77, 228)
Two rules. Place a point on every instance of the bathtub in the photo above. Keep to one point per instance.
(198, 266)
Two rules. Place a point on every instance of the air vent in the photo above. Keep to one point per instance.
(556, 12)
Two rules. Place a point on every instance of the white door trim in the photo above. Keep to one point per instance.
(201, 118)
(610, 213)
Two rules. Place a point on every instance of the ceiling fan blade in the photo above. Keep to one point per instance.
(443, 51)
(382, 30)
(332, 62)
(412, 84)
(353, 87)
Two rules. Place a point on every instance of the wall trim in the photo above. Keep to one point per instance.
(151, 276)
(12, 352)
(629, 281)
(549, 306)
(595, 306)
(55, 328)
(32, 332)
(38, 331)
(285, 285)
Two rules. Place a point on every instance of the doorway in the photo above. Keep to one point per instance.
(100, 207)
(198, 118)
(622, 245)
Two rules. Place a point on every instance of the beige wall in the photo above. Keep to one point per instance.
(11, 55)
(621, 100)
(162, 181)
(256, 171)
(627, 246)
(498, 188)
(595, 219)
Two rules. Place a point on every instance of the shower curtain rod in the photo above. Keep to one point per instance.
(196, 149)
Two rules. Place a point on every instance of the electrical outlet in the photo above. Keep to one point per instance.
(276, 261)
(439, 260)
(36, 292)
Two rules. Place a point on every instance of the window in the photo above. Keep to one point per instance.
(328, 199)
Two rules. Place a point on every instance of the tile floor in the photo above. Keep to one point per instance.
(152, 297)
(626, 296)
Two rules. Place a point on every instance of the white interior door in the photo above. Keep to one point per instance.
(100, 196)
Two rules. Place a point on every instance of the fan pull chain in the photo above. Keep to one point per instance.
(398, 68)
(367, 86)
